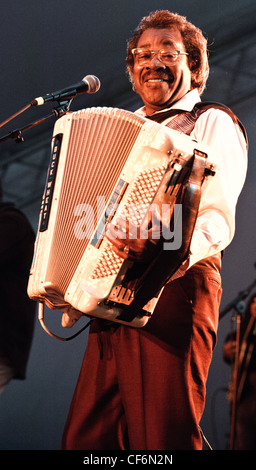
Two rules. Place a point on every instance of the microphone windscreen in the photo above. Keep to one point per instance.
(93, 83)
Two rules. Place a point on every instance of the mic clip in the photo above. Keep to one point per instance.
(62, 108)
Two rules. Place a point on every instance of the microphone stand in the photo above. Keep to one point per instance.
(238, 306)
(61, 109)
(237, 303)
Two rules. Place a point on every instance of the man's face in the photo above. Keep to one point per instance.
(157, 84)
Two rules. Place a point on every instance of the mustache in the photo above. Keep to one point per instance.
(158, 76)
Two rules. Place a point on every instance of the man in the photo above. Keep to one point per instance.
(145, 388)
(17, 311)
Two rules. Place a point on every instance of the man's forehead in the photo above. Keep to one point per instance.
(165, 36)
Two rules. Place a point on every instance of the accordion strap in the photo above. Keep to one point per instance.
(184, 121)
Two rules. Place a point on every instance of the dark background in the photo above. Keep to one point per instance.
(48, 45)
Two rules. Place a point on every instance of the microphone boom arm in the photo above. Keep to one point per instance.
(60, 110)
(234, 304)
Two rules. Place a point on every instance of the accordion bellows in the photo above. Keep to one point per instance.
(108, 163)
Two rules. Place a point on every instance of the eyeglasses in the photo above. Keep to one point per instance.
(167, 57)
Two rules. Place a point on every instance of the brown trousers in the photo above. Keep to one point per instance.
(144, 389)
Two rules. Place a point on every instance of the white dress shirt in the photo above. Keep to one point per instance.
(215, 225)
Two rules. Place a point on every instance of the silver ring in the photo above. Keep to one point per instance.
(126, 249)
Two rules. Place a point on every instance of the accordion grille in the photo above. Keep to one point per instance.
(140, 197)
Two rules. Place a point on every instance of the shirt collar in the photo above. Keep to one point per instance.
(186, 103)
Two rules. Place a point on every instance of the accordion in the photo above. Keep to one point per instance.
(108, 163)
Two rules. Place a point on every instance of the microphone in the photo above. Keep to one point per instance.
(89, 84)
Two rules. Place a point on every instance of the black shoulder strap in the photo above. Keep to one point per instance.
(184, 121)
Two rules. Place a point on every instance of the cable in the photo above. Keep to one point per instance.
(53, 335)
(15, 115)
(205, 440)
